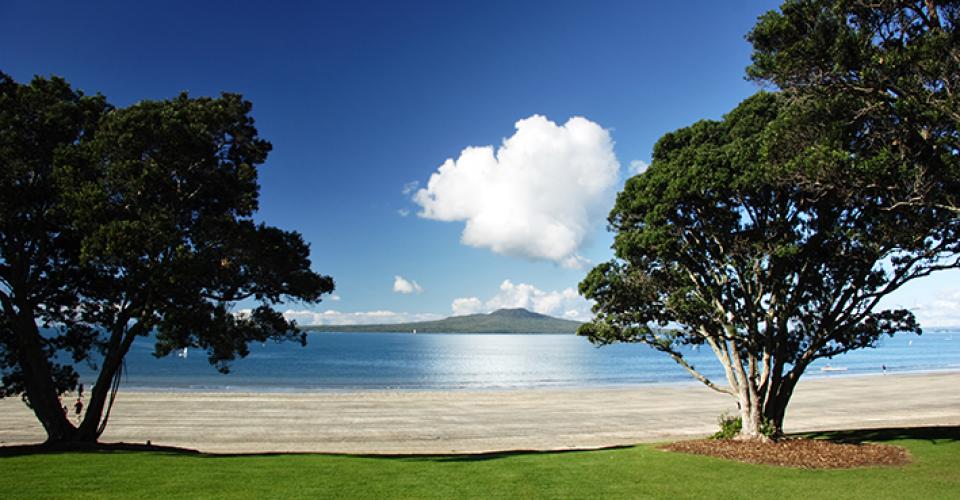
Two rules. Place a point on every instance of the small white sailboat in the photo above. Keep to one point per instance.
(182, 353)
(829, 368)
(414, 331)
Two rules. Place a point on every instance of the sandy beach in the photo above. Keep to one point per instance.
(479, 421)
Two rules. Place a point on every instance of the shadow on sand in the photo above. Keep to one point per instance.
(933, 434)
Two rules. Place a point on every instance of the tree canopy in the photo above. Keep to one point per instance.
(717, 245)
(890, 71)
(119, 223)
(772, 235)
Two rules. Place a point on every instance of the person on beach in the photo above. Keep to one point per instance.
(78, 407)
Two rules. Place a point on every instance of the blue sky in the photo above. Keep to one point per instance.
(362, 99)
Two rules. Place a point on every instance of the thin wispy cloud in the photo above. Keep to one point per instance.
(410, 187)
(941, 311)
(538, 196)
(333, 317)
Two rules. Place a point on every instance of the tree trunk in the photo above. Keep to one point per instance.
(774, 412)
(775, 409)
(91, 428)
(751, 420)
(41, 392)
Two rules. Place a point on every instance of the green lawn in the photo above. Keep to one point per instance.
(635, 472)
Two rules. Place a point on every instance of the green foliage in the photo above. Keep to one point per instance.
(719, 238)
(500, 321)
(628, 473)
(39, 124)
(122, 222)
(773, 234)
(886, 70)
(731, 425)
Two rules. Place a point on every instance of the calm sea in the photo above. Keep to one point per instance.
(377, 361)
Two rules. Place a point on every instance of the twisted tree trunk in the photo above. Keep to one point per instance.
(39, 388)
(94, 420)
(41, 392)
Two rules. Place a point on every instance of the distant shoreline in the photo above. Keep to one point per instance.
(501, 321)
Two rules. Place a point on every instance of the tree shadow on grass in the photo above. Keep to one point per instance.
(43, 448)
(47, 448)
(483, 457)
(420, 457)
(932, 434)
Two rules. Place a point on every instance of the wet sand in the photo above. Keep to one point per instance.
(479, 421)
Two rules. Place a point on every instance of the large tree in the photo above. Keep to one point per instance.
(887, 69)
(122, 223)
(716, 245)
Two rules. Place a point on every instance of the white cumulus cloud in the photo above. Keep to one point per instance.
(466, 305)
(405, 286)
(537, 196)
(332, 317)
(566, 303)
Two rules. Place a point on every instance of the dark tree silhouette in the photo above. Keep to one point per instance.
(119, 223)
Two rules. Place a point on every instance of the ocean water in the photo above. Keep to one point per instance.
(378, 361)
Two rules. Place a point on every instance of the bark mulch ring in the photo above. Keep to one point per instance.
(803, 453)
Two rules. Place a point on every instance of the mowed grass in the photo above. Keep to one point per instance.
(634, 472)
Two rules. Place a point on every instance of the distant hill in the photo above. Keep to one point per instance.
(499, 321)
